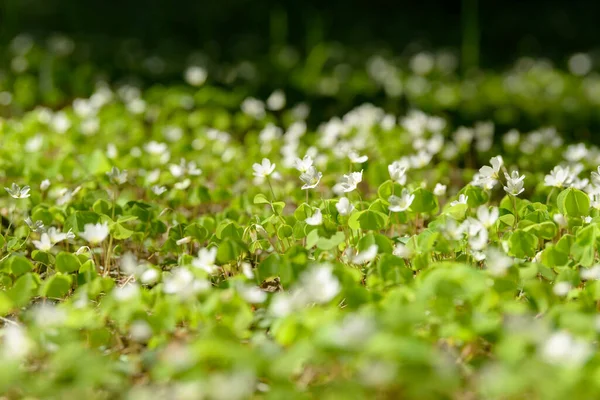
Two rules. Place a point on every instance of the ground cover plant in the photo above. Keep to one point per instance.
(192, 242)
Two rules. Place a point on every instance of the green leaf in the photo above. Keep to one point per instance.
(261, 199)
(119, 232)
(284, 231)
(584, 247)
(424, 201)
(573, 203)
(372, 220)
(332, 242)
(57, 286)
(23, 289)
(229, 250)
(67, 262)
(19, 265)
(477, 196)
(523, 244)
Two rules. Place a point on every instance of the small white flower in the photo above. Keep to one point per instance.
(95, 233)
(462, 199)
(117, 176)
(487, 216)
(366, 256)
(402, 203)
(558, 177)
(350, 181)
(195, 75)
(497, 263)
(276, 101)
(590, 274)
(563, 349)
(303, 165)
(252, 294)
(402, 251)
(344, 206)
(319, 284)
(560, 220)
(57, 236)
(45, 184)
(596, 177)
(44, 244)
(561, 288)
(37, 226)
(264, 169)
(311, 178)
(149, 276)
(158, 190)
(514, 183)
(397, 172)
(356, 158)
(315, 219)
(184, 240)
(206, 260)
(18, 192)
(184, 184)
(439, 189)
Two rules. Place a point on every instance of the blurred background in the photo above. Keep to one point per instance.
(329, 54)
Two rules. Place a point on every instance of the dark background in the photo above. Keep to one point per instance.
(236, 28)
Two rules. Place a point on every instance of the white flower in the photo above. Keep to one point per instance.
(356, 158)
(350, 181)
(158, 190)
(462, 199)
(561, 288)
(558, 177)
(563, 349)
(44, 244)
(16, 343)
(183, 283)
(253, 107)
(303, 165)
(184, 240)
(184, 184)
(439, 189)
(18, 192)
(497, 263)
(590, 274)
(514, 183)
(95, 233)
(576, 152)
(344, 206)
(487, 216)
(57, 236)
(402, 203)
(319, 285)
(206, 260)
(45, 184)
(403, 251)
(195, 75)
(252, 294)
(117, 176)
(311, 178)
(264, 169)
(315, 219)
(397, 172)
(596, 177)
(560, 220)
(149, 276)
(276, 101)
(366, 256)
(37, 226)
